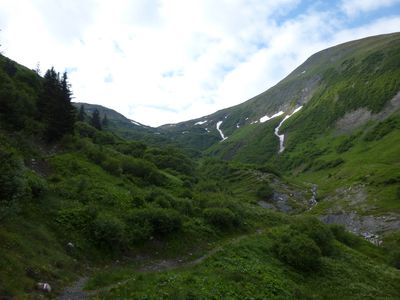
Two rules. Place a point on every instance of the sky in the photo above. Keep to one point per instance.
(166, 61)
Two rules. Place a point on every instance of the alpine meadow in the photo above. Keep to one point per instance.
(293, 194)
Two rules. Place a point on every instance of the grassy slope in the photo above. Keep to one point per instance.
(374, 164)
(92, 187)
(248, 269)
(297, 88)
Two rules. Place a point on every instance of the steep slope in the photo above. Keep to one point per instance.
(90, 197)
(324, 74)
(335, 122)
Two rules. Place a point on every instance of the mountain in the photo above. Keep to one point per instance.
(361, 74)
(127, 213)
(338, 117)
(125, 127)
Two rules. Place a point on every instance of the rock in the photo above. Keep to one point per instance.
(44, 286)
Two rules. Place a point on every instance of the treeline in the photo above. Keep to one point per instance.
(39, 106)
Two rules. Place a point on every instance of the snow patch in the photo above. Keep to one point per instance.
(220, 131)
(200, 122)
(237, 125)
(254, 122)
(303, 72)
(282, 136)
(266, 118)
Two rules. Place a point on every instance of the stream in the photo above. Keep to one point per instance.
(282, 136)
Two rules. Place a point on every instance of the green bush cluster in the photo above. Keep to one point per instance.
(298, 251)
(265, 192)
(153, 221)
(343, 236)
(221, 218)
(303, 243)
(382, 129)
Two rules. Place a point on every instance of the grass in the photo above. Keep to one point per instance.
(248, 269)
(374, 165)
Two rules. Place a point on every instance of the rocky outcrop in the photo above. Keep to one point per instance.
(370, 227)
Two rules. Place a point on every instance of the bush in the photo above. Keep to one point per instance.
(157, 221)
(85, 130)
(38, 186)
(222, 218)
(104, 138)
(108, 231)
(13, 184)
(265, 192)
(112, 166)
(317, 231)
(298, 251)
(135, 149)
(345, 145)
(75, 219)
(12, 180)
(143, 169)
(322, 165)
(344, 236)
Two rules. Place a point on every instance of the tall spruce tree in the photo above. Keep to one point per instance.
(65, 102)
(81, 114)
(55, 108)
(104, 122)
(95, 120)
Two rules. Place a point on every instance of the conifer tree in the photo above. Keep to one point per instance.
(104, 122)
(55, 108)
(95, 121)
(81, 114)
(65, 102)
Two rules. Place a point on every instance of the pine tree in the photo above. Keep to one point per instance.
(81, 114)
(55, 108)
(104, 123)
(95, 120)
(69, 112)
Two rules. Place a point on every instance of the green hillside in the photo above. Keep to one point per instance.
(122, 212)
(345, 139)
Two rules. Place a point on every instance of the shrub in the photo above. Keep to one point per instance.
(13, 184)
(75, 219)
(344, 236)
(157, 221)
(222, 218)
(135, 149)
(345, 145)
(104, 138)
(143, 169)
(381, 129)
(85, 130)
(298, 251)
(112, 165)
(12, 181)
(265, 192)
(317, 231)
(322, 165)
(38, 186)
(108, 231)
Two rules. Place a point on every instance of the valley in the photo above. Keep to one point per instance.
(292, 194)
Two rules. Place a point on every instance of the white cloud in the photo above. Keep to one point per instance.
(355, 7)
(167, 61)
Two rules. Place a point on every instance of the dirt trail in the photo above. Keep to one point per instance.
(76, 291)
